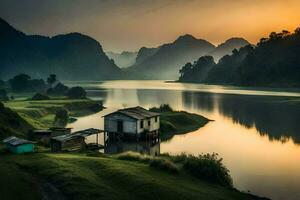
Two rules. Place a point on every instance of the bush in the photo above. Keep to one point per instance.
(59, 90)
(207, 167)
(61, 117)
(133, 156)
(157, 163)
(76, 93)
(1, 106)
(39, 96)
(162, 108)
(164, 165)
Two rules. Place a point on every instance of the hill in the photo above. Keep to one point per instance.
(11, 123)
(227, 47)
(165, 61)
(72, 56)
(124, 59)
(274, 62)
(77, 176)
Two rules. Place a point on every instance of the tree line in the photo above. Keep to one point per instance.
(43, 89)
(274, 62)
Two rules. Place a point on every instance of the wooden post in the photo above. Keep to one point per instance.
(97, 139)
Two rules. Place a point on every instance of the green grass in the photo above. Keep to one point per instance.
(41, 114)
(78, 176)
(12, 124)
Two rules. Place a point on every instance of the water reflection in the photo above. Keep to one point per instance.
(149, 148)
(272, 116)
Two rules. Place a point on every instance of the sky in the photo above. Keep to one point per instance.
(130, 24)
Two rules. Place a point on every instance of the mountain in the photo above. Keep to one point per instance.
(72, 56)
(145, 53)
(166, 60)
(274, 62)
(124, 59)
(227, 47)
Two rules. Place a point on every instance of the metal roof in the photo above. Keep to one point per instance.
(136, 113)
(14, 141)
(83, 133)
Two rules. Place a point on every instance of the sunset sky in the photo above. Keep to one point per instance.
(130, 24)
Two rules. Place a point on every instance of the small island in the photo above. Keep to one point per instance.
(177, 122)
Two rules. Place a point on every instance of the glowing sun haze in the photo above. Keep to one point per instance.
(130, 24)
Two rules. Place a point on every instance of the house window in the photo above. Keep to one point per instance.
(156, 119)
(142, 124)
(149, 122)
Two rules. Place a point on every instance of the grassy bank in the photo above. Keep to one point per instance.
(77, 176)
(11, 123)
(178, 122)
(41, 114)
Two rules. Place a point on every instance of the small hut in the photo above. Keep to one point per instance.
(135, 122)
(44, 135)
(18, 145)
(75, 141)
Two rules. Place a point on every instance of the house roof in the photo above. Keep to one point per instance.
(14, 141)
(83, 133)
(136, 113)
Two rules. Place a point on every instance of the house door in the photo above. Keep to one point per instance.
(120, 126)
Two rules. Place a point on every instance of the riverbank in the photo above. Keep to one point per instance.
(41, 114)
(78, 176)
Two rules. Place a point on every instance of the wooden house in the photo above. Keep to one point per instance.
(18, 145)
(44, 135)
(135, 122)
(75, 141)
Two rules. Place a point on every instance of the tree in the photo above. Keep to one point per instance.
(39, 96)
(61, 117)
(60, 89)
(3, 95)
(51, 79)
(20, 83)
(76, 93)
(24, 83)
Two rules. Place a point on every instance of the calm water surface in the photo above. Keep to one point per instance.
(256, 132)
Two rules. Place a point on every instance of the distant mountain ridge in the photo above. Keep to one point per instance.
(72, 56)
(227, 47)
(273, 62)
(124, 59)
(164, 62)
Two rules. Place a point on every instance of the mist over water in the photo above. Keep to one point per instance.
(256, 132)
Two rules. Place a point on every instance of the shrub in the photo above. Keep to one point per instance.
(60, 89)
(39, 96)
(164, 165)
(61, 117)
(207, 167)
(76, 93)
(1, 106)
(133, 156)
(162, 108)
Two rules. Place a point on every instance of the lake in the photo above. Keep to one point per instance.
(255, 131)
